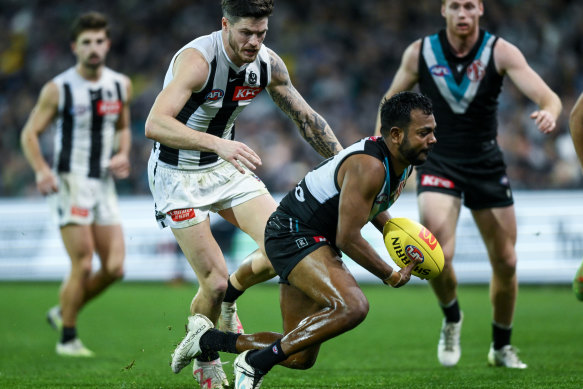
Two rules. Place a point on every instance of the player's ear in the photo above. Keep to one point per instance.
(224, 23)
(481, 7)
(397, 135)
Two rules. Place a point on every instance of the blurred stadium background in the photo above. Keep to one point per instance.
(341, 56)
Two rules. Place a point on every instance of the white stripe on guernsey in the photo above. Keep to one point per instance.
(458, 107)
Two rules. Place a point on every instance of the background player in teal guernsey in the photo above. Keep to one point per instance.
(196, 166)
(461, 69)
(325, 213)
(89, 105)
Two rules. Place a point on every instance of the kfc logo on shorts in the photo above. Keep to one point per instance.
(476, 71)
(108, 107)
(78, 211)
(429, 180)
(319, 239)
(179, 215)
(246, 92)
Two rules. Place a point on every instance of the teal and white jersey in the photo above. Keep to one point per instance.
(464, 92)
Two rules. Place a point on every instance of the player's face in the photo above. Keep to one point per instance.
(462, 16)
(244, 39)
(419, 138)
(91, 48)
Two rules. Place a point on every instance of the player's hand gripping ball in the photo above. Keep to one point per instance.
(406, 239)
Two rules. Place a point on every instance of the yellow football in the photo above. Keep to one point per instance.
(406, 239)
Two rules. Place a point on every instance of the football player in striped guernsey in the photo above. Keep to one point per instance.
(196, 166)
(461, 69)
(88, 105)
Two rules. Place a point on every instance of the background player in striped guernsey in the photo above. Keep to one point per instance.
(461, 69)
(197, 167)
(88, 105)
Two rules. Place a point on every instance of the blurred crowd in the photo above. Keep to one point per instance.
(341, 54)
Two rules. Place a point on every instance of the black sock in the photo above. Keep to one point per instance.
(217, 340)
(232, 293)
(266, 358)
(500, 335)
(451, 311)
(207, 356)
(69, 333)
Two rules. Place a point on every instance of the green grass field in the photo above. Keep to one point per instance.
(134, 326)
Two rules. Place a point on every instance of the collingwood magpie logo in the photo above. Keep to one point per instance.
(252, 77)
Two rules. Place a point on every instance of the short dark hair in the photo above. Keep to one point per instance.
(233, 10)
(396, 111)
(89, 21)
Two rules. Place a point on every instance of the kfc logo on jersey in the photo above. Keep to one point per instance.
(108, 107)
(215, 94)
(429, 180)
(246, 92)
(476, 71)
(179, 215)
(440, 70)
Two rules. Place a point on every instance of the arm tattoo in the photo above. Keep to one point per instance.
(312, 126)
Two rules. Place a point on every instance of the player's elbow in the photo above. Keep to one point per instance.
(150, 127)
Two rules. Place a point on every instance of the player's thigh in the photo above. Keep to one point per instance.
(251, 216)
(498, 229)
(325, 280)
(202, 251)
(110, 246)
(78, 241)
(439, 212)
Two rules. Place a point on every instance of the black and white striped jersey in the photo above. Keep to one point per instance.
(316, 198)
(215, 107)
(85, 125)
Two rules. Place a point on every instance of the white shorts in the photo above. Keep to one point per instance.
(184, 198)
(84, 200)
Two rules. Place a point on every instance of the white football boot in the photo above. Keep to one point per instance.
(54, 318)
(189, 347)
(73, 348)
(507, 356)
(246, 377)
(210, 375)
(229, 320)
(449, 349)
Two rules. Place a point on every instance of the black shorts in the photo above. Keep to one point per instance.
(288, 241)
(482, 183)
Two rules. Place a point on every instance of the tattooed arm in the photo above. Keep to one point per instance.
(312, 126)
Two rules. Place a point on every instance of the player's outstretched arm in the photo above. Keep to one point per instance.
(313, 128)
(510, 60)
(405, 79)
(576, 127)
(39, 120)
(360, 178)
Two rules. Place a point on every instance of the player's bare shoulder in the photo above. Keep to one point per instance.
(191, 68)
(507, 56)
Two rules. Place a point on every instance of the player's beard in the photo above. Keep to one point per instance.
(89, 64)
(411, 154)
(238, 51)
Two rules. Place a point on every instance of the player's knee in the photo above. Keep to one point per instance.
(215, 289)
(302, 360)
(354, 312)
(505, 267)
